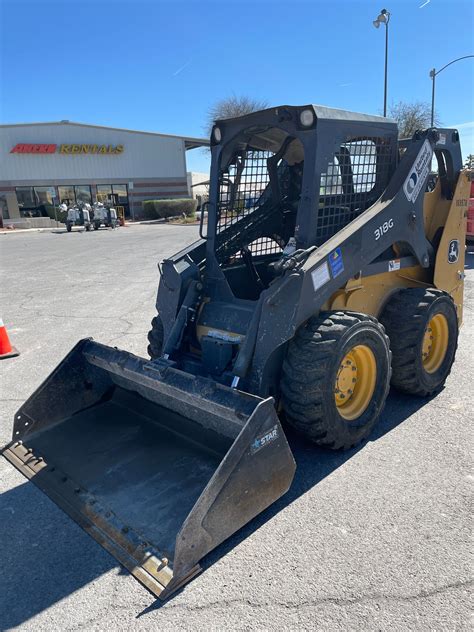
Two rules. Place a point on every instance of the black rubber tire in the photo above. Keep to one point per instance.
(309, 375)
(96, 226)
(405, 318)
(88, 227)
(68, 228)
(155, 338)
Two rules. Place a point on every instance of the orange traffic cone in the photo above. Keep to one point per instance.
(6, 349)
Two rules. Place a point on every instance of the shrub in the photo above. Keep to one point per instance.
(154, 209)
(60, 215)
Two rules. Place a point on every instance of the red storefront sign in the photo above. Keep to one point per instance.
(28, 148)
(41, 148)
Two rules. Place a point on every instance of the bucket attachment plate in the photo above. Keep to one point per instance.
(157, 465)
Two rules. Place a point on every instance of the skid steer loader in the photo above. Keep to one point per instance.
(324, 273)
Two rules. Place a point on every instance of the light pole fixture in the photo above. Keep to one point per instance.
(433, 73)
(384, 18)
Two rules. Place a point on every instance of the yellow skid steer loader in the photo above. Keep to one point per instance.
(331, 265)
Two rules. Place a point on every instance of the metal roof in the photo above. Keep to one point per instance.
(190, 142)
(323, 112)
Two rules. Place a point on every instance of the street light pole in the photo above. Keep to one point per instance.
(433, 73)
(433, 77)
(384, 18)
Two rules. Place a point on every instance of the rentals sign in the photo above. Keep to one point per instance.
(42, 148)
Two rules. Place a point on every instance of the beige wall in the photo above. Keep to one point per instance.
(12, 204)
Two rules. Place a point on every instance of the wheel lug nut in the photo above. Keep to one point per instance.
(354, 380)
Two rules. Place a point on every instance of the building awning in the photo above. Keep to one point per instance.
(193, 143)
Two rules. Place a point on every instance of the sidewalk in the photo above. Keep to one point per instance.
(61, 228)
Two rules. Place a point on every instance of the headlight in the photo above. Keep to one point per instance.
(217, 134)
(307, 118)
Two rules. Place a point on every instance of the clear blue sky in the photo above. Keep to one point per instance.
(158, 65)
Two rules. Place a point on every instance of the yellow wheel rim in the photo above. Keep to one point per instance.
(435, 343)
(355, 382)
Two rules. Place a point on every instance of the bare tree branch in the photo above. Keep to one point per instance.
(231, 107)
(412, 117)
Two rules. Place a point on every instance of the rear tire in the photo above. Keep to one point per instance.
(336, 378)
(155, 338)
(422, 326)
(68, 228)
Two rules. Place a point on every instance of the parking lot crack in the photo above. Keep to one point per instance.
(337, 600)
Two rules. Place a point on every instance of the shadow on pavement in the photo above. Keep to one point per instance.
(313, 464)
(45, 557)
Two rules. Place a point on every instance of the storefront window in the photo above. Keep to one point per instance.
(45, 195)
(104, 193)
(83, 193)
(66, 194)
(120, 193)
(26, 198)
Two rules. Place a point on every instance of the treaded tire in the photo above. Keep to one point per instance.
(155, 338)
(405, 318)
(310, 372)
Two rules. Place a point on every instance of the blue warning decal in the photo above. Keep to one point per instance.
(336, 263)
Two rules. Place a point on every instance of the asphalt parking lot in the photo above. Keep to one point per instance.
(377, 538)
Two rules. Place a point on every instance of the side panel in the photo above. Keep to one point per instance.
(370, 294)
(449, 266)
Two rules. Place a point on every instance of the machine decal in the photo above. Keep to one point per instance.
(416, 178)
(453, 251)
(320, 276)
(393, 265)
(381, 230)
(263, 440)
(336, 262)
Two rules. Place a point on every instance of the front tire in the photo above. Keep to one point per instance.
(336, 378)
(155, 338)
(422, 326)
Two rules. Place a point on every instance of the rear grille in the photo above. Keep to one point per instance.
(353, 180)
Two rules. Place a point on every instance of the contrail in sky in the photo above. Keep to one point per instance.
(182, 68)
(424, 4)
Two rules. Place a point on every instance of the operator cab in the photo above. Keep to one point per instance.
(259, 191)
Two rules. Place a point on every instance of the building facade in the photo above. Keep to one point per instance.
(45, 164)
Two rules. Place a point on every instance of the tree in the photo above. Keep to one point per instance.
(469, 164)
(230, 107)
(411, 117)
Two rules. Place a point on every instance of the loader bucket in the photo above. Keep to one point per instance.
(157, 465)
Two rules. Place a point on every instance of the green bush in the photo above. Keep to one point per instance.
(159, 209)
(60, 215)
